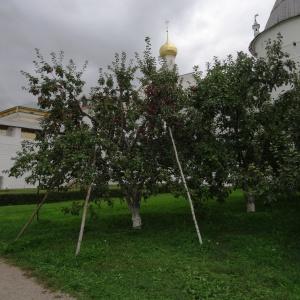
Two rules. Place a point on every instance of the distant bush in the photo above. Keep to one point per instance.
(31, 198)
(25, 197)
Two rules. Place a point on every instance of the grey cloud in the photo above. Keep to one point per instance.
(94, 30)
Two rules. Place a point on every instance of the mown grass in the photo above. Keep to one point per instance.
(243, 257)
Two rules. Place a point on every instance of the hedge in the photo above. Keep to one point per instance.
(31, 198)
(53, 197)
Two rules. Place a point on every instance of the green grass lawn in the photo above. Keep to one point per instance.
(243, 257)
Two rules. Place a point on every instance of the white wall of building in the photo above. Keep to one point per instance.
(9, 145)
(289, 29)
(188, 80)
(16, 125)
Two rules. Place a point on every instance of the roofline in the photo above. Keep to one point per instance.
(251, 48)
(190, 73)
(23, 109)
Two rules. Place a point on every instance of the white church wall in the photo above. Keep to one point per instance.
(188, 80)
(9, 145)
(289, 29)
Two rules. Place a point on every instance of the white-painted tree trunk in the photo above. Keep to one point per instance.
(135, 215)
(186, 188)
(250, 203)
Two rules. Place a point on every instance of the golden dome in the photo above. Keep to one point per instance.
(168, 49)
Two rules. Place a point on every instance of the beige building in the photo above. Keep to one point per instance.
(17, 124)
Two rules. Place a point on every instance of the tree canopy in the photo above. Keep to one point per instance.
(120, 123)
(236, 127)
(241, 126)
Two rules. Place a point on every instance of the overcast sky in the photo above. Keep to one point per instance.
(94, 30)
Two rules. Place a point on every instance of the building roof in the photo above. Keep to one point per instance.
(23, 109)
(23, 117)
(283, 10)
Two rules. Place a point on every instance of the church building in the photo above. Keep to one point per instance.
(284, 19)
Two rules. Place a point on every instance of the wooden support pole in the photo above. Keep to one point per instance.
(32, 216)
(85, 209)
(84, 213)
(38, 202)
(186, 187)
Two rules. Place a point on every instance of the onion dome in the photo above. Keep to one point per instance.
(168, 49)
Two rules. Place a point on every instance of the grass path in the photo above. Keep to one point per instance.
(243, 257)
(16, 285)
